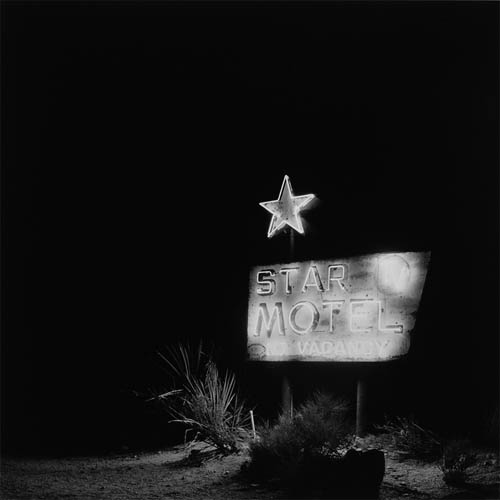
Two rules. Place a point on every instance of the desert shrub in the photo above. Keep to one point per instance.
(456, 459)
(412, 440)
(203, 400)
(491, 428)
(319, 431)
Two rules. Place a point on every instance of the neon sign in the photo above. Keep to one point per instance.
(286, 209)
(357, 309)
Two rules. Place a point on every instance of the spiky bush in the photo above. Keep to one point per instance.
(321, 429)
(203, 400)
(412, 440)
(457, 458)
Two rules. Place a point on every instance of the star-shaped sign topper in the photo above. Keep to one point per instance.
(286, 209)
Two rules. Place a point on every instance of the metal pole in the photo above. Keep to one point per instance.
(361, 406)
(292, 244)
(286, 386)
(286, 396)
(253, 425)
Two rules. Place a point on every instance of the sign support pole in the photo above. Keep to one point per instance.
(361, 405)
(286, 396)
(286, 386)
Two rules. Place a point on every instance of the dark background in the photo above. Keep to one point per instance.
(138, 140)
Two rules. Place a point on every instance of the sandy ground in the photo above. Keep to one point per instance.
(163, 475)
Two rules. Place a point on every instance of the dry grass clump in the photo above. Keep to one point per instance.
(457, 458)
(203, 400)
(412, 440)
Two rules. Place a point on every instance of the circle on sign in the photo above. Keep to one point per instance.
(393, 274)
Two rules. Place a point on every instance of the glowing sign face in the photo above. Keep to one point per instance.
(357, 309)
(286, 209)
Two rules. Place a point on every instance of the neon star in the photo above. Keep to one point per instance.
(286, 209)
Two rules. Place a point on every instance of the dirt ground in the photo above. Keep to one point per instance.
(163, 475)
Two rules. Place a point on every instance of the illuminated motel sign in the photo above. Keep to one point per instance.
(356, 309)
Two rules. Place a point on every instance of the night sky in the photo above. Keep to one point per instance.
(138, 140)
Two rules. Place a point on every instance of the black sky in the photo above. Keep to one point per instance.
(138, 139)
